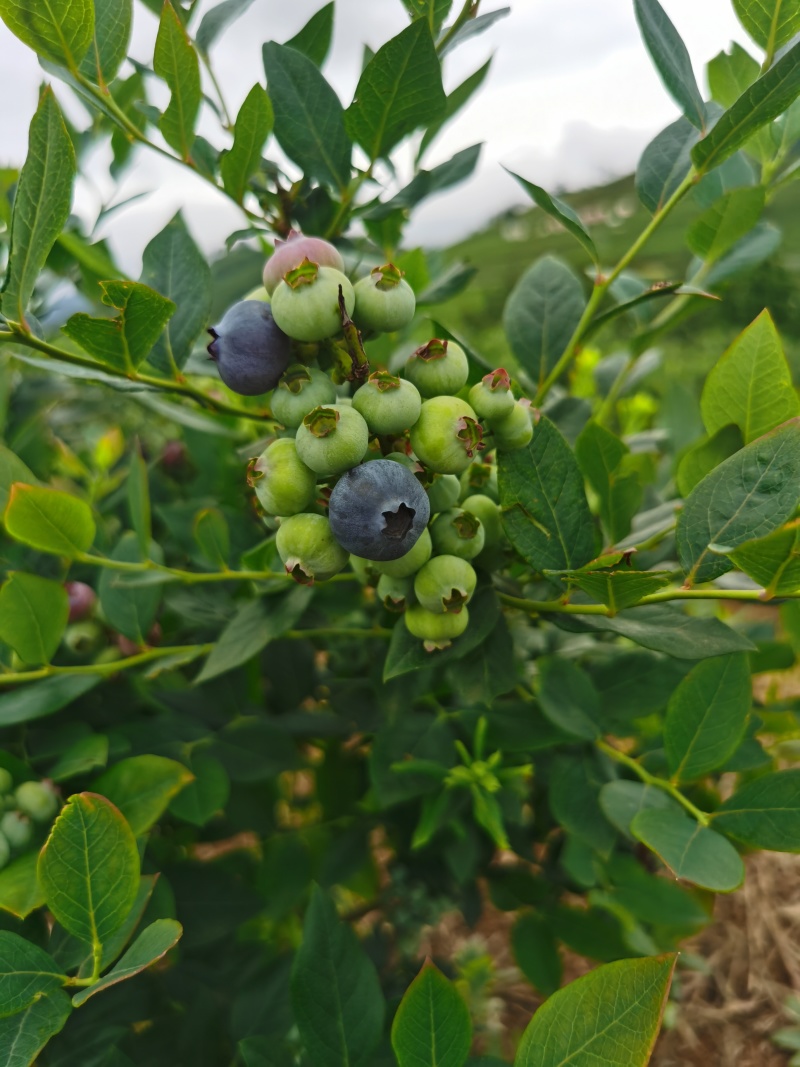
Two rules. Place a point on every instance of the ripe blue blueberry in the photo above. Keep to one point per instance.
(250, 351)
(378, 510)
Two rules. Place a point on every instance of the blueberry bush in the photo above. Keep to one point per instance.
(316, 623)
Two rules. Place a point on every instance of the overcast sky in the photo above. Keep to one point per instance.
(570, 101)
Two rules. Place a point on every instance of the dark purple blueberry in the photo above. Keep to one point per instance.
(81, 600)
(378, 510)
(250, 351)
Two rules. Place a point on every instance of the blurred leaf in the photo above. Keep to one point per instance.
(175, 60)
(610, 470)
(212, 535)
(621, 802)
(773, 561)
(314, 39)
(545, 513)
(573, 792)
(253, 125)
(201, 799)
(174, 266)
(472, 27)
(751, 385)
(427, 182)
(612, 1012)
(691, 851)
(671, 59)
(39, 699)
(142, 787)
(665, 163)
(706, 716)
(26, 973)
(730, 73)
(399, 90)
(126, 340)
(764, 101)
(536, 952)
(309, 120)
(33, 616)
(432, 1026)
(112, 34)
(89, 868)
(20, 892)
(43, 196)
(702, 458)
(152, 943)
(568, 698)
(84, 755)
(139, 500)
(12, 469)
(433, 11)
(725, 222)
(453, 281)
(744, 498)
(24, 1035)
(771, 23)
(755, 248)
(764, 813)
(336, 994)
(217, 19)
(541, 315)
(59, 30)
(453, 104)
(129, 609)
(559, 211)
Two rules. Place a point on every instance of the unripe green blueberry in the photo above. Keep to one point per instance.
(37, 799)
(305, 305)
(406, 461)
(443, 492)
(332, 439)
(447, 435)
(492, 397)
(83, 637)
(489, 514)
(389, 405)
(6, 781)
(395, 593)
(457, 533)
(300, 390)
(16, 829)
(308, 549)
(284, 485)
(515, 430)
(438, 368)
(411, 562)
(384, 302)
(5, 850)
(365, 570)
(480, 477)
(434, 629)
(290, 253)
(445, 583)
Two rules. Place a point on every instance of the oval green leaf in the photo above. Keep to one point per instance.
(33, 615)
(142, 787)
(764, 813)
(690, 850)
(26, 973)
(432, 1027)
(152, 943)
(24, 1035)
(49, 520)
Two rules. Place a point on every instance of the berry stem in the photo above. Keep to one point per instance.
(562, 607)
(653, 779)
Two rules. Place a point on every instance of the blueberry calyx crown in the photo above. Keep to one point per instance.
(389, 276)
(496, 380)
(305, 274)
(383, 381)
(434, 349)
(455, 602)
(398, 523)
(321, 421)
(470, 433)
(295, 378)
(467, 526)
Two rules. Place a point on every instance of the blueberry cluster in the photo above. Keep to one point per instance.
(29, 803)
(394, 475)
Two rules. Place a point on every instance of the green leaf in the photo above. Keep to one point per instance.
(691, 851)
(434, 11)
(744, 498)
(49, 520)
(39, 699)
(541, 315)
(621, 802)
(453, 104)
(536, 952)
(671, 59)
(611, 1016)
(399, 90)
(139, 500)
(706, 716)
(42, 200)
(314, 39)
(152, 943)
(771, 23)
(665, 163)
(124, 341)
(751, 385)
(89, 868)
(730, 73)
(33, 616)
(255, 624)
(58, 30)
(129, 609)
(559, 211)
(336, 994)
(142, 787)
(24, 1035)
(653, 899)
(175, 60)
(702, 458)
(208, 794)
(218, 19)
(764, 101)
(573, 793)
(568, 697)
(253, 125)
(610, 470)
(12, 469)
(427, 182)
(212, 535)
(26, 973)
(86, 754)
(112, 34)
(773, 561)
(619, 589)
(471, 28)
(309, 120)
(764, 813)
(545, 513)
(174, 266)
(432, 1027)
(757, 247)
(725, 222)
(20, 892)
